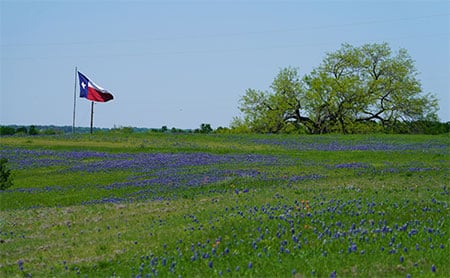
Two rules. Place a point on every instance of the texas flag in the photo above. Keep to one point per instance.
(92, 91)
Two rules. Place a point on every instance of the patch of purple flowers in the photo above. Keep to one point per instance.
(351, 165)
(155, 173)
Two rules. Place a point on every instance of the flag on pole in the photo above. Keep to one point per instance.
(92, 91)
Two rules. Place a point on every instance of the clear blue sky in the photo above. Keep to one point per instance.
(183, 63)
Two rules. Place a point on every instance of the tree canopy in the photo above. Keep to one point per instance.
(354, 88)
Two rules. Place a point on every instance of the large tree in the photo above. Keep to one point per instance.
(275, 111)
(354, 85)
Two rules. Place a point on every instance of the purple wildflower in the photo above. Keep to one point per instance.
(353, 247)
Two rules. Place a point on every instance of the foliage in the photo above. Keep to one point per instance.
(7, 130)
(5, 174)
(353, 85)
(272, 113)
(21, 130)
(222, 130)
(51, 131)
(11, 130)
(123, 129)
(33, 130)
(204, 128)
(427, 127)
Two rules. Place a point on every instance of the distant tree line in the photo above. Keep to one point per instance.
(11, 130)
(354, 90)
(417, 127)
(42, 130)
(204, 128)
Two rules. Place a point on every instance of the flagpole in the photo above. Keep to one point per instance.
(74, 100)
(92, 115)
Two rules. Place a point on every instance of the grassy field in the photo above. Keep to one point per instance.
(192, 205)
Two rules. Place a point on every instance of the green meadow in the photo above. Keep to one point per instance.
(210, 205)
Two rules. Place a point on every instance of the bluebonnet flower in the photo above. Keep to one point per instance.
(353, 247)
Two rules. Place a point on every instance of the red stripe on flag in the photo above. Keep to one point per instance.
(95, 95)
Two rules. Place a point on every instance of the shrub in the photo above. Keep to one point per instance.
(22, 130)
(7, 130)
(32, 130)
(5, 175)
(204, 128)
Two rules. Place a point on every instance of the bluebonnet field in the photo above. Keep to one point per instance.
(148, 205)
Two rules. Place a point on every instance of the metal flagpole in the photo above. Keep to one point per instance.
(74, 100)
(92, 115)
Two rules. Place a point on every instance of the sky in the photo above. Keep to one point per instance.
(184, 63)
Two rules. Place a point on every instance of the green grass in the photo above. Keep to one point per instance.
(390, 206)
